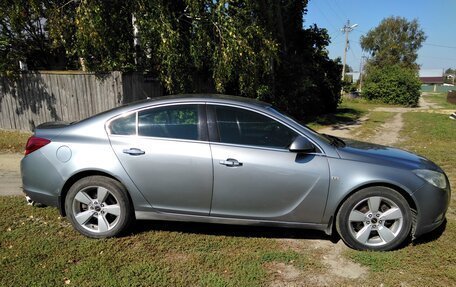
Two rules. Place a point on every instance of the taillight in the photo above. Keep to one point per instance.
(35, 143)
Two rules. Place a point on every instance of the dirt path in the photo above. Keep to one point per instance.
(424, 104)
(336, 269)
(389, 131)
(344, 130)
(10, 175)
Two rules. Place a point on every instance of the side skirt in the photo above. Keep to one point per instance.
(148, 215)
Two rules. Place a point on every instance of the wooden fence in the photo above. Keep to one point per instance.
(38, 97)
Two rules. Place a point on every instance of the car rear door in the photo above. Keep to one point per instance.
(256, 176)
(167, 156)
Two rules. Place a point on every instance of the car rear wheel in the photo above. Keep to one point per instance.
(98, 207)
(375, 218)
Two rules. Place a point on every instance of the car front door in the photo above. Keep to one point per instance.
(167, 156)
(256, 176)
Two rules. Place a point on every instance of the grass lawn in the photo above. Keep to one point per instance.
(12, 141)
(440, 99)
(39, 248)
(424, 263)
(434, 136)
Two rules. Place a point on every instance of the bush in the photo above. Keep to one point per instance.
(393, 85)
(348, 86)
(451, 97)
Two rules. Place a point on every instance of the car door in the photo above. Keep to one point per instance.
(256, 176)
(167, 156)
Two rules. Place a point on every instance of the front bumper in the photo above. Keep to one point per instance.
(432, 205)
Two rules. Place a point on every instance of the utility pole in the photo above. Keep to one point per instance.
(346, 29)
(361, 72)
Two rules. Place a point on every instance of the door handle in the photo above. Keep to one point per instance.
(134, 151)
(230, 162)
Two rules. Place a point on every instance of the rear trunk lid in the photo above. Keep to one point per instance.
(50, 130)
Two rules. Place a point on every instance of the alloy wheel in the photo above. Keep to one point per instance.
(96, 209)
(375, 221)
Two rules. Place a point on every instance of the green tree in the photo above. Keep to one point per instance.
(394, 41)
(23, 35)
(98, 34)
(393, 85)
(305, 81)
(252, 48)
(104, 35)
(348, 68)
(55, 34)
(392, 70)
(193, 41)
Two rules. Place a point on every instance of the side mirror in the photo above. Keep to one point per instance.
(301, 144)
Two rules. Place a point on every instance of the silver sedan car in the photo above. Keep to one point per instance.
(230, 160)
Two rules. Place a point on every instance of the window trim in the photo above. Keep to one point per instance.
(214, 133)
(202, 122)
(209, 125)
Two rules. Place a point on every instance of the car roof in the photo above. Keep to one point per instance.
(180, 98)
(215, 98)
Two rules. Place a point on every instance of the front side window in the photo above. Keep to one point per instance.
(180, 122)
(238, 126)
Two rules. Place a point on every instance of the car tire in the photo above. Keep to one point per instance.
(99, 207)
(375, 218)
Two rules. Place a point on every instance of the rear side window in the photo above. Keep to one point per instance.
(179, 121)
(124, 125)
(239, 126)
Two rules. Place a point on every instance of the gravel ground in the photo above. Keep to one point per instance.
(10, 174)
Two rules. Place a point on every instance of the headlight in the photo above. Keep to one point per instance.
(435, 178)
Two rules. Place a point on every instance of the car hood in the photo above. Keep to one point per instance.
(384, 155)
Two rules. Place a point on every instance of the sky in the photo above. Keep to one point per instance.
(437, 19)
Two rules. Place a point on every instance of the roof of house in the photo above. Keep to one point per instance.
(431, 76)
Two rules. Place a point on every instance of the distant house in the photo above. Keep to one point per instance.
(433, 77)
(449, 80)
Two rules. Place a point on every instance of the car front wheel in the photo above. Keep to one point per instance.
(98, 207)
(374, 218)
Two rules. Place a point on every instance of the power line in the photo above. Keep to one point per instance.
(439, 58)
(334, 11)
(340, 9)
(333, 39)
(324, 15)
(438, 45)
(425, 44)
(359, 31)
(353, 54)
